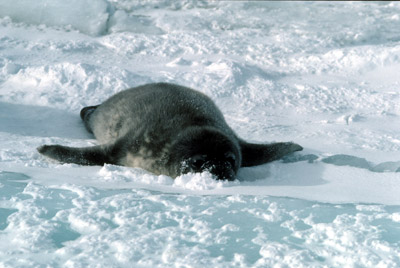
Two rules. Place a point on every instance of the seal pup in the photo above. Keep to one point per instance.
(166, 129)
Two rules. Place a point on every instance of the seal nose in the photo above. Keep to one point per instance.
(197, 163)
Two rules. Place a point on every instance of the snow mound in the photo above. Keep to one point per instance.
(92, 17)
(194, 182)
(88, 16)
(118, 174)
(199, 182)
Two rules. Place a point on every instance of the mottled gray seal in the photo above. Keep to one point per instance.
(166, 129)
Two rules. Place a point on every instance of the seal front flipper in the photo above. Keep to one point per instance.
(89, 156)
(257, 154)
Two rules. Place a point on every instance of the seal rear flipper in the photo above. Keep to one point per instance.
(85, 114)
(257, 154)
(89, 156)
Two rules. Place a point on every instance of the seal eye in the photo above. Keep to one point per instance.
(197, 162)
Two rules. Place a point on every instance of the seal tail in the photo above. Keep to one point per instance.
(257, 154)
(86, 112)
(88, 156)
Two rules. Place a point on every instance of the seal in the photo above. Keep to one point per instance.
(166, 129)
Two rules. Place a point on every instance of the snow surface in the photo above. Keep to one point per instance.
(324, 75)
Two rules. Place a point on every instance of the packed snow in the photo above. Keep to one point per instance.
(321, 74)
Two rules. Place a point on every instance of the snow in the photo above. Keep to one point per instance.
(87, 16)
(321, 74)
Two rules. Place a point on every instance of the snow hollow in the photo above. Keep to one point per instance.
(322, 74)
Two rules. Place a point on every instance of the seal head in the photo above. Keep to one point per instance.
(201, 149)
